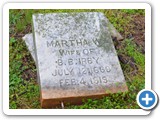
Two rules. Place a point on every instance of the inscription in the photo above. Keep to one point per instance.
(80, 61)
(81, 71)
(67, 43)
(86, 82)
(92, 62)
(63, 52)
(94, 70)
(73, 43)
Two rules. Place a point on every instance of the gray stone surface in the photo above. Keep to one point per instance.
(28, 38)
(75, 55)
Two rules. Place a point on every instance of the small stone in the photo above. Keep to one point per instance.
(28, 38)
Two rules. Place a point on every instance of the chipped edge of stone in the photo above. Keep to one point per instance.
(28, 38)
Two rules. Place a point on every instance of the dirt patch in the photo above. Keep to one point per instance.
(123, 58)
(139, 31)
(135, 30)
(28, 73)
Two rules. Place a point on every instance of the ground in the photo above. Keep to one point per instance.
(23, 88)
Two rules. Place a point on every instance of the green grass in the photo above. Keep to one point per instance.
(24, 91)
(131, 51)
(134, 11)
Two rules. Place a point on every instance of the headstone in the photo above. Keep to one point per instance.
(75, 58)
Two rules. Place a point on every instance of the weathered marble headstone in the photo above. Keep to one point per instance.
(75, 58)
